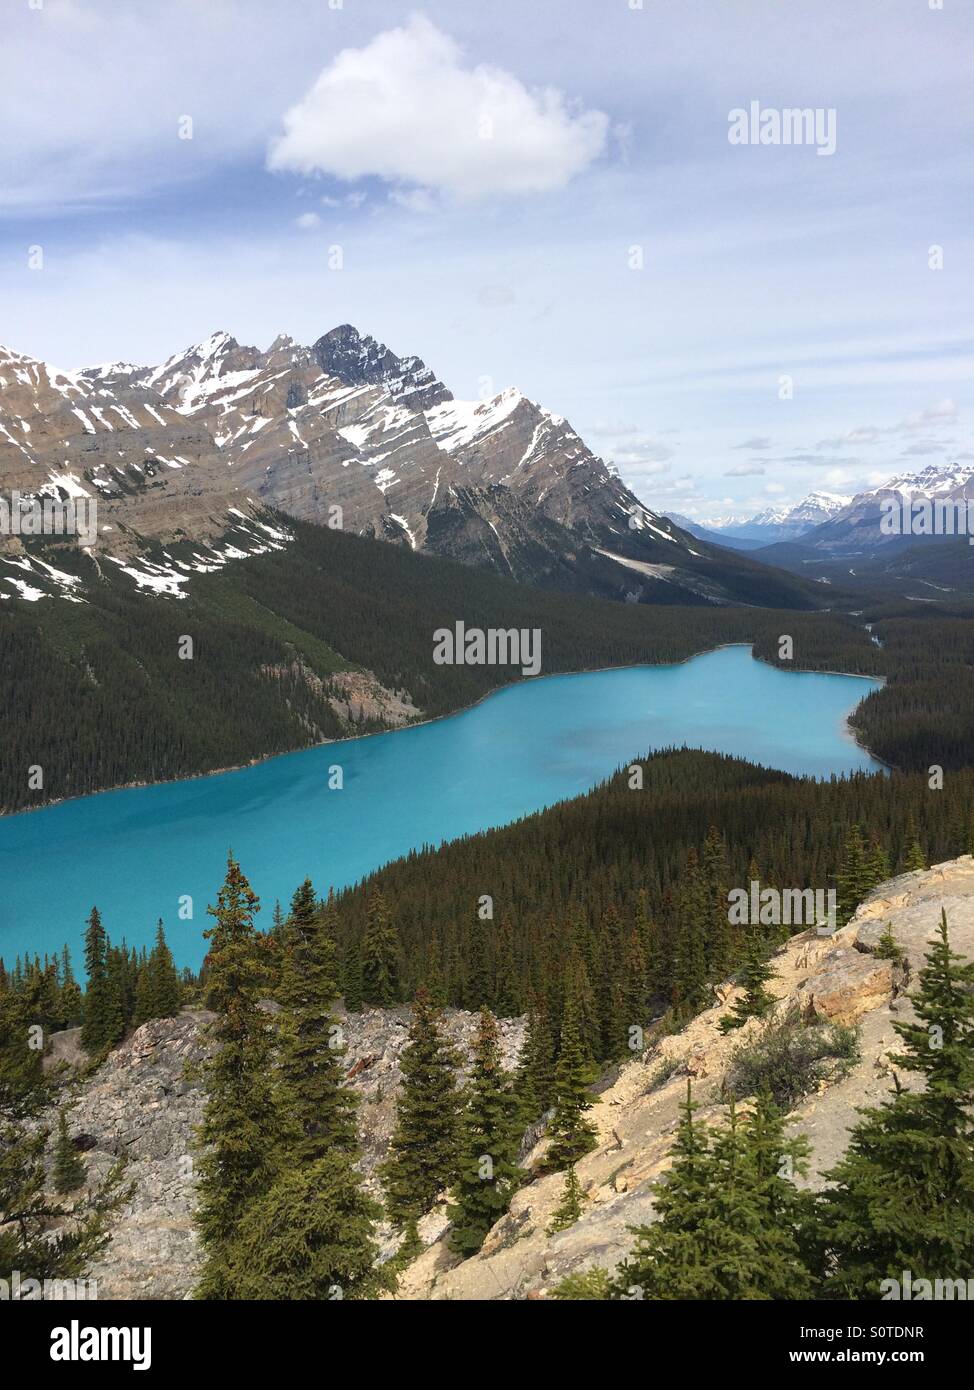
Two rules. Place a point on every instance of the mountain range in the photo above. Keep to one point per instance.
(840, 540)
(211, 448)
(767, 526)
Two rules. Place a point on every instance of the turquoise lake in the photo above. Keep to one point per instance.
(136, 852)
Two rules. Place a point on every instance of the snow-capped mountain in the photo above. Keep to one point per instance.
(782, 523)
(816, 508)
(347, 434)
(855, 530)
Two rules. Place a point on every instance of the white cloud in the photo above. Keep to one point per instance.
(414, 199)
(745, 470)
(406, 109)
(308, 221)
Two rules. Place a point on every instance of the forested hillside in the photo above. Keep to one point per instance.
(628, 879)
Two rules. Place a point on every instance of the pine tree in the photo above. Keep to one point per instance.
(352, 979)
(730, 1224)
(380, 955)
(572, 1135)
(320, 1107)
(103, 1020)
(488, 1171)
(240, 1137)
(35, 1237)
(888, 948)
(755, 1002)
(159, 993)
(423, 1152)
(311, 1237)
(914, 858)
(694, 913)
(69, 1170)
(853, 879)
(536, 1065)
(902, 1198)
(569, 1209)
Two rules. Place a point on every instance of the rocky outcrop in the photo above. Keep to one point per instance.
(837, 979)
(144, 1104)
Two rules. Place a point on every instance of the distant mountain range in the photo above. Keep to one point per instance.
(211, 446)
(767, 526)
(840, 539)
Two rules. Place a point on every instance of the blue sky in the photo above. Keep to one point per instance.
(487, 171)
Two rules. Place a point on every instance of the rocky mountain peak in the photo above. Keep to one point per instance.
(359, 360)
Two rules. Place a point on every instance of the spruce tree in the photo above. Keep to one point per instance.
(755, 1002)
(853, 879)
(902, 1198)
(435, 987)
(320, 1107)
(915, 858)
(730, 1224)
(719, 946)
(694, 915)
(536, 1065)
(380, 954)
(888, 948)
(569, 1209)
(490, 1135)
(667, 1247)
(572, 1135)
(72, 1000)
(103, 1022)
(310, 1237)
(311, 1234)
(424, 1150)
(69, 1170)
(168, 986)
(159, 993)
(877, 866)
(352, 979)
(240, 1137)
(36, 1237)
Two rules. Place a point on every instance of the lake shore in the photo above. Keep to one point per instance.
(451, 714)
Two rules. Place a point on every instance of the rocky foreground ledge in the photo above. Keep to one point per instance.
(142, 1103)
(834, 979)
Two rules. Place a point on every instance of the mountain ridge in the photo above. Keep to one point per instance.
(347, 434)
